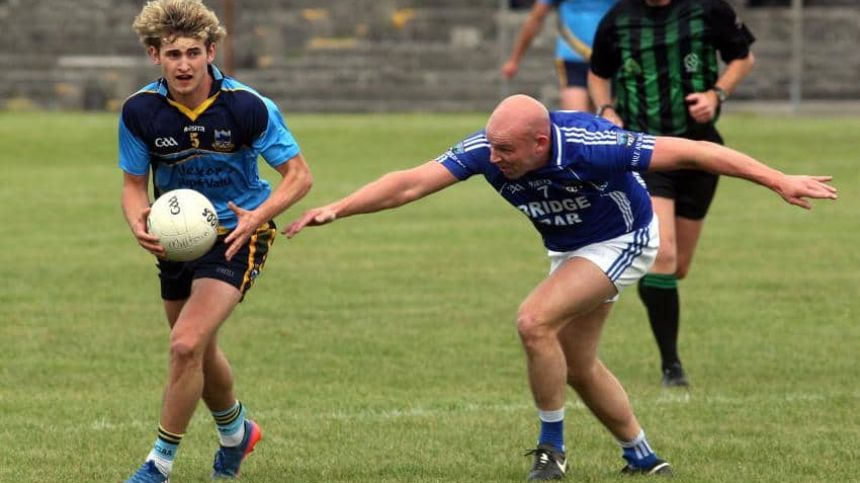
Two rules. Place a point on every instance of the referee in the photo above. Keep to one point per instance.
(660, 56)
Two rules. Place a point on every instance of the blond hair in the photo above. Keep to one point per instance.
(169, 19)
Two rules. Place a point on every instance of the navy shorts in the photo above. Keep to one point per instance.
(572, 74)
(692, 190)
(240, 271)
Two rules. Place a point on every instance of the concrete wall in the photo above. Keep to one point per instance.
(367, 55)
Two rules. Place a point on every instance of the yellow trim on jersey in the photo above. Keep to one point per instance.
(194, 114)
(573, 41)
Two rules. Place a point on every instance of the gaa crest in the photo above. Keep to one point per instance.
(223, 140)
(624, 138)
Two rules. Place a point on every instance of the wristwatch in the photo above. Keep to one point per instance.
(721, 94)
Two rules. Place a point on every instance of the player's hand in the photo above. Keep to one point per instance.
(795, 189)
(146, 240)
(702, 106)
(247, 223)
(613, 117)
(510, 68)
(314, 217)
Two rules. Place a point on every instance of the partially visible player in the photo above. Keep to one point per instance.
(575, 176)
(577, 22)
(661, 57)
(196, 128)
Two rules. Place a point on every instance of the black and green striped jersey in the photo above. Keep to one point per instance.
(656, 56)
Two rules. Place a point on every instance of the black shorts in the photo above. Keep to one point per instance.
(240, 271)
(572, 74)
(692, 190)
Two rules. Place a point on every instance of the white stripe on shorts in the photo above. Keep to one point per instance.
(633, 250)
(624, 259)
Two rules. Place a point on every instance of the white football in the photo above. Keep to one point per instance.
(185, 223)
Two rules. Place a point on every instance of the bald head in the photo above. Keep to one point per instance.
(519, 115)
(518, 131)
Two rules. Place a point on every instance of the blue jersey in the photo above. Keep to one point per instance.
(212, 149)
(580, 18)
(588, 192)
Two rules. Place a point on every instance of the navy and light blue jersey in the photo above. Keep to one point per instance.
(212, 149)
(589, 191)
(580, 18)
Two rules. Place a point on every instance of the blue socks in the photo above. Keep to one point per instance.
(231, 424)
(638, 452)
(164, 451)
(552, 428)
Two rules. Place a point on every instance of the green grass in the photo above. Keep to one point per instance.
(383, 348)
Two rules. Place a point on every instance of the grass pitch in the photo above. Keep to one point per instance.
(383, 348)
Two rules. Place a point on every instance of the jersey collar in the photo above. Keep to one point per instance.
(556, 153)
(557, 139)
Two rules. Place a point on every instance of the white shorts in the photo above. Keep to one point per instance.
(624, 259)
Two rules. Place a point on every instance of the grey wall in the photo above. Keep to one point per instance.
(368, 55)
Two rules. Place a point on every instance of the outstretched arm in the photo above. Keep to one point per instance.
(677, 153)
(390, 191)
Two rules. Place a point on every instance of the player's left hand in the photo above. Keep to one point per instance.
(796, 188)
(246, 225)
(702, 106)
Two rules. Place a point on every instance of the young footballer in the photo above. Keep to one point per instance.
(197, 128)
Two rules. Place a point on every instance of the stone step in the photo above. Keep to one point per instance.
(364, 55)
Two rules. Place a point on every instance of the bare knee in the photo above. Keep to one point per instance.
(533, 329)
(186, 351)
(666, 261)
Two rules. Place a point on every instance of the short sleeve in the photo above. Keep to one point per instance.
(133, 154)
(468, 157)
(276, 143)
(731, 36)
(618, 151)
(605, 55)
